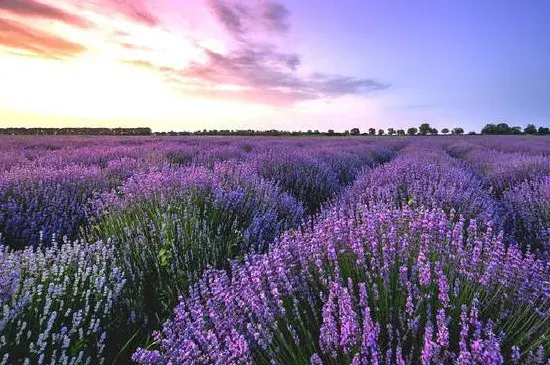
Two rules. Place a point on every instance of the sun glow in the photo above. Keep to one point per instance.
(100, 84)
(95, 87)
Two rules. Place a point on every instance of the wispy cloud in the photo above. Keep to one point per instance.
(264, 71)
(252, 66)
(255, 69)
(37, 10)
(17, 36)
(134, 10)
(26, 29)
(242, 18)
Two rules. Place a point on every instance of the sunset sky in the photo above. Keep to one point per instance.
(261, 64)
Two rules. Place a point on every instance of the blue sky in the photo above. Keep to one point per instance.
(464, 61)
(274, 64)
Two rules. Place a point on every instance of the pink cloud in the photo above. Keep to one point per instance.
(38, 43)
(134, 10)
(35, 9)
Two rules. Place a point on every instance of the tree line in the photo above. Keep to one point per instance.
(78, 131)
(503, 128)
(423, 130)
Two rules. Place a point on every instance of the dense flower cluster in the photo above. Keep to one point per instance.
(38, 203)
(317, 251)
(502, 170)
(425, 176)
(46, 183)
(515, 175)
(402, 286)
(56, 302)
(529, 207)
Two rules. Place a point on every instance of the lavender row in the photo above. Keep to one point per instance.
(519, 181)
(395, 287)
(528, 205)
(47, 184)
(502, 170)
(171, 208)
(174, 222)
(57, 303)
(424, 176)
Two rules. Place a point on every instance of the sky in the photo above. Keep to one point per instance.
(274, 64)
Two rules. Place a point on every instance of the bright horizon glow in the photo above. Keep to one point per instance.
(276, 64)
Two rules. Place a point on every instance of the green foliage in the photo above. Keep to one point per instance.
(424, 129)
(56, 302)
(179, 157)
(166, 246)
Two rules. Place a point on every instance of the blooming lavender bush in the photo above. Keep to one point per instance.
(401, 259)
(393, 287)
(262, 209)
(317, 177)
(424, 176)
(37, 203)
(311, 181)
(164, 247)
(529, 207)
(503, 170)
(57, 303)
(170, 231)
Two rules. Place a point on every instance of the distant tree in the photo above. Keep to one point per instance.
(391, 131)
(372, 131)
(489, 129)
(515, 130)
(503, 128)
(445, 130)
(458, 131)
(424, 129)
(330, 131)
(530, 129)
(472, 133)
(400, 132)
(346, 132)
(412, 131)
(355, 131)
(433, 131)
(543, 131)
(380, 132)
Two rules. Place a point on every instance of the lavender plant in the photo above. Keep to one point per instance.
(424, 176)
(38, 203)
(169, 236)
(528, 205)
(400, 286)
(57, 303)
(403, 262)
(503, 170)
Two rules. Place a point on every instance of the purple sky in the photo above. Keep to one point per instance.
(282, 64)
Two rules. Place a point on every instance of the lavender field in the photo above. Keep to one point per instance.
(237, 250)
